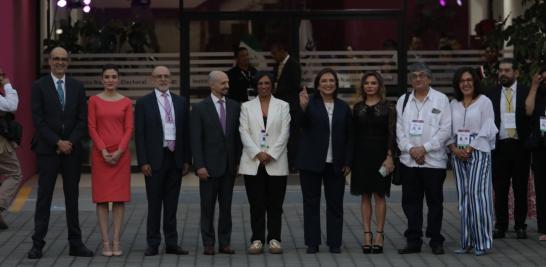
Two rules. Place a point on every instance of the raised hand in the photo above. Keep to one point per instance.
(304, 98)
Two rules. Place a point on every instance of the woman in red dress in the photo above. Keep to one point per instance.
(110, 122)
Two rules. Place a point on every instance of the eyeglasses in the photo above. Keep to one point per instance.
(466, 81)
(62, 59)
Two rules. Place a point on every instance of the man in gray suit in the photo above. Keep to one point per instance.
(216, 149)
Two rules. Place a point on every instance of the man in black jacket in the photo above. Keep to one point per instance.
(511, 160)
(59, 113)
(163, 152)
(241, 76)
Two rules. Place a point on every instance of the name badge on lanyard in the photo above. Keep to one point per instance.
(463, 138)
(170, 131)
(510, 120)
(416, 127)
(543, 124)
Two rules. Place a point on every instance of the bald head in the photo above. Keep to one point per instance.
(161, 78)
(218, 83)
(58, 61)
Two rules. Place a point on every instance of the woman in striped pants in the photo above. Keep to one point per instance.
(473, 138)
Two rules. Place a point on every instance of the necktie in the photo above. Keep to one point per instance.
(60, 92)
(508, 95)
(222, 115)
(168, 117)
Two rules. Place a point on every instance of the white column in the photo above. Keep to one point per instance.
(477, 11)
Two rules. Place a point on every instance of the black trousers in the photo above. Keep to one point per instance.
(210, 190)
(265, 195)
(334, 189)
(419, 183)
(511, 161)
(163, 191)
(539, 169)
(49, 166)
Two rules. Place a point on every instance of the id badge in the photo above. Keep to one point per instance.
(543, 124)
(510, 120)
(416, 127)
(170, 131)
(463, 138)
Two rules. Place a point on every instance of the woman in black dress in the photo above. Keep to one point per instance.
(374, 125)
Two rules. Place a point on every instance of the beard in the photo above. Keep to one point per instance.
(506, 82)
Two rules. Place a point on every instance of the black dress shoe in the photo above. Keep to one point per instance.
(81, 251)
(438, 250)
(409, 250)
(312, 249)
(498, 234)
(176, 250)
(226, 250)
(209, 250)
(35, 253)
(521, 234)
(150, 251)
(3, 224)
(335, 250)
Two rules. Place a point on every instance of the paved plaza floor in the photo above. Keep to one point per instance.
(16, 241)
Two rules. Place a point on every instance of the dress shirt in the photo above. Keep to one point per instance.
(436, 114)
(479, 119)
(502, 131)
(55, 79)
(161, 104)
(330, 110)
(9, 102)
(215, 101)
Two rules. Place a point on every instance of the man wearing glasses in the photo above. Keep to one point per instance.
(9, 164)
(423, 126)
(59, 113)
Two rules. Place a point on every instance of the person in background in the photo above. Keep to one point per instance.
(241, 77)
(472, 140)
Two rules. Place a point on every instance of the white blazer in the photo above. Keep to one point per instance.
(276, 136)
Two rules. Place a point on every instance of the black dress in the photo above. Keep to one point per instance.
(374, 128)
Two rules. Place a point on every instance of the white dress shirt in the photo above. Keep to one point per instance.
(502, 131)
(55, 79)
(161, 103)
(217, 105)
(435, 112)
(9, 102)
(330, 110)
(479, 119)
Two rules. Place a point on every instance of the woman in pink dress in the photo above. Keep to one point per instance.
(110, 122)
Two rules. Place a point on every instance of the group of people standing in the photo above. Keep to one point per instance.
(490, 136)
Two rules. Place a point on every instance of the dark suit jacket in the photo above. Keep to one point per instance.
(239, 84)
(288, 85)
(313, 145)
(149, 135)
(522, 120)
(51, 122)
(211, 149)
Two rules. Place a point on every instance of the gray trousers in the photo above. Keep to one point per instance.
(11, 170)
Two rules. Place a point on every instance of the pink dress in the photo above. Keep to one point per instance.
(110, 126)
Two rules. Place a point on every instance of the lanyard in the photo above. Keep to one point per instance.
(419, 109)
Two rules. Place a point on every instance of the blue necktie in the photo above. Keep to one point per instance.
(60, 92)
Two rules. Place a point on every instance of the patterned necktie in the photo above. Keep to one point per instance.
(168, 117)
(60, 92)
(508, 96)
(222, 115)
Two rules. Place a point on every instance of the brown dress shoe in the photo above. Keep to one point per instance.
(226, 250)
(208, 250)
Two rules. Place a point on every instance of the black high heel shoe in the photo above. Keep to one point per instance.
(367, 249)
(378, 249)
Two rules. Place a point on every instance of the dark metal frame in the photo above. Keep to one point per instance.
(186, 16)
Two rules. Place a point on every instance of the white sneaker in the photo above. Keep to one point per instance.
(275, 247)
(256, 247)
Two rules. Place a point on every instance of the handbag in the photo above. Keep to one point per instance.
(395, 176)
(10, 128)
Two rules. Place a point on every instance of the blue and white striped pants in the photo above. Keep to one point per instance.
(475, 192)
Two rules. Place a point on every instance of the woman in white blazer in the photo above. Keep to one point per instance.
(264, 128)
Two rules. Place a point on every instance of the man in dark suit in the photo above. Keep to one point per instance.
(287, 72)
(59, 113)
(241, 76)
(216, 148)
(511, 160)
(162, 143)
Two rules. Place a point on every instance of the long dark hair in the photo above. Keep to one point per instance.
(319, 75)
(457, 79)
(380, 83)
